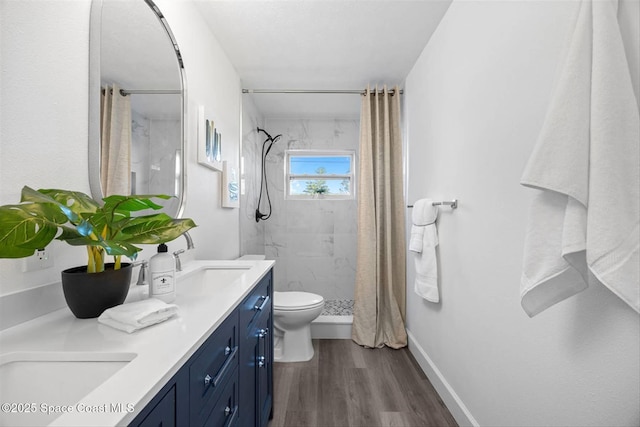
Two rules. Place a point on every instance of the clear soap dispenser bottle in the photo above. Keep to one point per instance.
(162, 269)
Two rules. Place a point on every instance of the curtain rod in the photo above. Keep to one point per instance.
(359, 92)
(126, 92)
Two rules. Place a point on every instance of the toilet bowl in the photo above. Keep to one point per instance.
(293, 313)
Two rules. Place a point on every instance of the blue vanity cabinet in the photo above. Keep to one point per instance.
(228, 381)
(256, 355)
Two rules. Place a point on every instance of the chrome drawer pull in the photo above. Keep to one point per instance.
(263, 332)
(263, 305)
(214, 381)
(261, 361)
(233, 412)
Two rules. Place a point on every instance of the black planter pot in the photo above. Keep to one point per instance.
(89, 294)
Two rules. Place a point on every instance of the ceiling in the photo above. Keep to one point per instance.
(320, 44)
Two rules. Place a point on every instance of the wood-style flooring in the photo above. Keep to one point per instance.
(348, 385)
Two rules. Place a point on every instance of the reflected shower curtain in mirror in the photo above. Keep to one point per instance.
(379, 308)
(115, 139)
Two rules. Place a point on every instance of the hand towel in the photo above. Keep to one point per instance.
(137, 315)
(424, 218)
(424, 213)
(584, 225)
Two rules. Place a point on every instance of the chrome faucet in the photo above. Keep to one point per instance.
(142, 275)
(190, 246)
(176, 255)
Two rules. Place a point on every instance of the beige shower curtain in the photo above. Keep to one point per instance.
(379, 308)
(115, 139)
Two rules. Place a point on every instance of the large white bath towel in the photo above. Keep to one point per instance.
(585, 224)
(424, 240)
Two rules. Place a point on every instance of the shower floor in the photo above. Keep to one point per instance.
(338, 307)
(335, 320)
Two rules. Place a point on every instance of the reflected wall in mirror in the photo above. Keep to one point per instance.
(136, 103)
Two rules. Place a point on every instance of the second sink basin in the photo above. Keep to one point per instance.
(41, 384)
(223, 274)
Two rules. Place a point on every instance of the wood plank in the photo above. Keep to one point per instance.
(300, 418)
(361, 398)
(332, 361)
(396, 419)
(282, 379)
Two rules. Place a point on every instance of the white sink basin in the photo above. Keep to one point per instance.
(49, 381)
(222, 275)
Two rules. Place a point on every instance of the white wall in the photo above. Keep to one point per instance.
(43, 113)
(43, 122)
(475, 101)
(211, 81)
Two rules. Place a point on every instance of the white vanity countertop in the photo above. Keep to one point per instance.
(161, 349)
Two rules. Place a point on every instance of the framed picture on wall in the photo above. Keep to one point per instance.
(209, 141)
(230, 186)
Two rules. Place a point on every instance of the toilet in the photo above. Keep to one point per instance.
(293, 313)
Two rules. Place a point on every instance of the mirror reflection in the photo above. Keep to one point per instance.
(136, 127)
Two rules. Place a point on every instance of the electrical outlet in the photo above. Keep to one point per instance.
(40, 260)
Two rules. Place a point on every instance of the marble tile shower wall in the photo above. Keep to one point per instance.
(148, 163)
(312, 241)
(164, 138)
(140, 140)
(251, 232)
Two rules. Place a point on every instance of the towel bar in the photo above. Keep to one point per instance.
(453, 204)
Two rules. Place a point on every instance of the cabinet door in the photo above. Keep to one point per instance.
(225, 412)
(211, 368)
(256, 355)
(164, 413)
(264, 370)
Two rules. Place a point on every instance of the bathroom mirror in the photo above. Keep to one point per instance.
(136, 103)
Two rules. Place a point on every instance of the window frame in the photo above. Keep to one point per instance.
(288, 176)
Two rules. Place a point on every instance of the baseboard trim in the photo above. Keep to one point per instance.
(455, 405)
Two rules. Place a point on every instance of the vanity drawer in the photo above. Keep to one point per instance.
(212, 368)
(257, 302)
(225, 412)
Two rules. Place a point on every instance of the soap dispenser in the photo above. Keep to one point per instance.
(162, 268)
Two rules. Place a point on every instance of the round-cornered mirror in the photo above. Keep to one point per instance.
(136, 103)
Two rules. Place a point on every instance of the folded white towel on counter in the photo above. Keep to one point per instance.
(584, 225)
(424, 240)
(424, 213)
(133, 316)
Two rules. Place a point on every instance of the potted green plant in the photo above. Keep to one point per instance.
(105, 229)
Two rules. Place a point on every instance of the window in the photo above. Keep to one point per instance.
(311, 174)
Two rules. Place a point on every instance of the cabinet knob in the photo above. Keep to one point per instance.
(263, 332)
(261, 361)
(207, 380)
(227, 350)
(227, 411)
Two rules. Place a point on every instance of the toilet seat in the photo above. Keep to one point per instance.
(292, 301)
